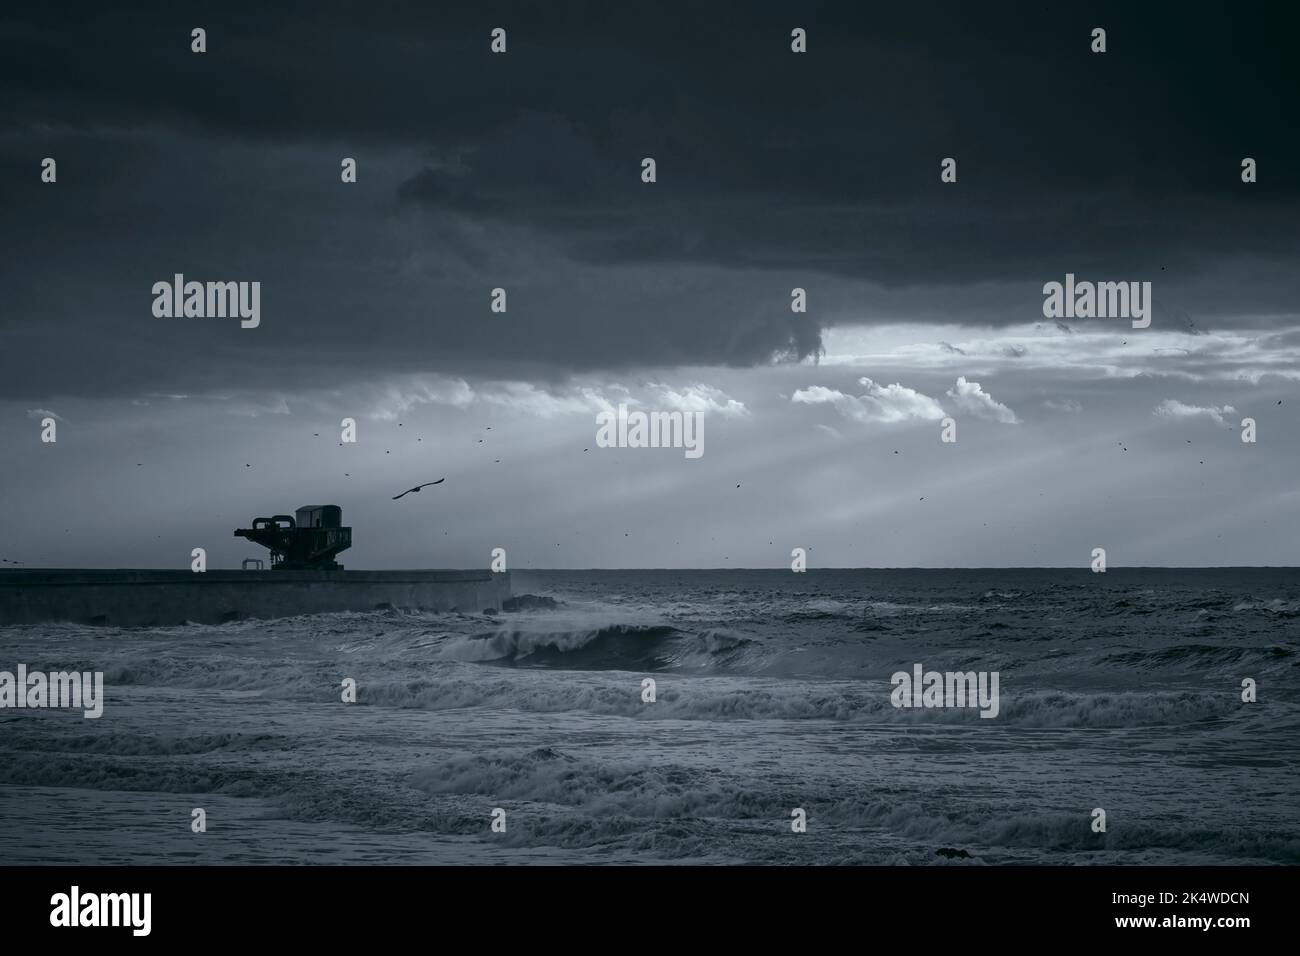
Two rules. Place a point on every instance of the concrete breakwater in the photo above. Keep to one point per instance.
(128, 598)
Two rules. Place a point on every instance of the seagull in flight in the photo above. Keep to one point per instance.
(418, 487)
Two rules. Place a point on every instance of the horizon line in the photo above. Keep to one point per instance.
(1009, 567)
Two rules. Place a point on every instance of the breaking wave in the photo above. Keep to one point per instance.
(616, 647)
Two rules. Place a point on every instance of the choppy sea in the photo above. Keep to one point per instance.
(1120, 691)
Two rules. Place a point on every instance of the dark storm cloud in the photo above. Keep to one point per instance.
(1067, 160)
(523, 171)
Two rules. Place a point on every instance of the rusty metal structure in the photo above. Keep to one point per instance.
(309, 541)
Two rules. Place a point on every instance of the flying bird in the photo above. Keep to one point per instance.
(418, 487)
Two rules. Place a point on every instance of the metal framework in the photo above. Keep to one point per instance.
(309, 542)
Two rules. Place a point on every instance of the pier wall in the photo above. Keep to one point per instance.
(161, 598)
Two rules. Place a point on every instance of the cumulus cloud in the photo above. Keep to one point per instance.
(547, 402)
(1252, 354)
(525, 397)
(973, 400)
(401, 397)
(879, 403)
(1172, 408)
(699, 398)
(43, 413)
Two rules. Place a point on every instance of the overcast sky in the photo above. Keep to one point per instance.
(775, 170)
